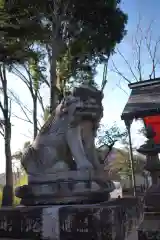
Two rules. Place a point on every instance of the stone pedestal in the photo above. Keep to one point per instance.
(97, 221)
(72, 187)
(150, 226)
(56, 222)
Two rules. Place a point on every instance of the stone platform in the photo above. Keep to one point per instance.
(149, 229)
(97, 221)
(56, 223)
(71, 187)
(150, 226)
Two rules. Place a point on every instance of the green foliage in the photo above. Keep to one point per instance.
(121, 164)
(18, 154)
(0, 197)
(12, 49)
(111, 135)
(26, 144)
(35, 73)
(21, 182)
(46, 114)
(89, 32)
(35, 68)
(20, 28)
(16, 201)
(98, 27)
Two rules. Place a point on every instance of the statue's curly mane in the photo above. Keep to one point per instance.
(79, 95)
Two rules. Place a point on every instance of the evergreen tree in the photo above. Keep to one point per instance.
(89, 31)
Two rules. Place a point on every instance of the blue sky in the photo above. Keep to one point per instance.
(115, 98)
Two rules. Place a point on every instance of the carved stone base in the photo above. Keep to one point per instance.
(90, 199)
(62, 193)
(150, 227)
(96, 221)
(64, 188)
(78, 175)
(56, 223)
(152, 197)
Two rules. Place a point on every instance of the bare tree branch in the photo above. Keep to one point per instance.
(30, 82)
(26, 136)
(45, 81)
(40, 99)
(24, 110)
(128, 64)
(25, 120)
(119, 86)
(49, 53)
(104, 80)
(143, 42)
(20, 75)
(10, 108)
(152, 54)
(2, 127)
(17, 98)
(1, 107)
(138, 50)
(116, 70)
(1, 76)
(22, 106)
(1, 133)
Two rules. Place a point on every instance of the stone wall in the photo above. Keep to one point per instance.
(130, 215)
(108, 221)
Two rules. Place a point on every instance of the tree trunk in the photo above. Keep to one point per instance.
(7, 199)
(35, 129)
(53, 83)
(55, 50)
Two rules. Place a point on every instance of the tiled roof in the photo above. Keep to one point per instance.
(144, 100)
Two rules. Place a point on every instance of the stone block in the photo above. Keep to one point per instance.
(149, 229)
(62, 223)
(68, 187)
(152, 197)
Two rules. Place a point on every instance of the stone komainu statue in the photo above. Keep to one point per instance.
(66, 141)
